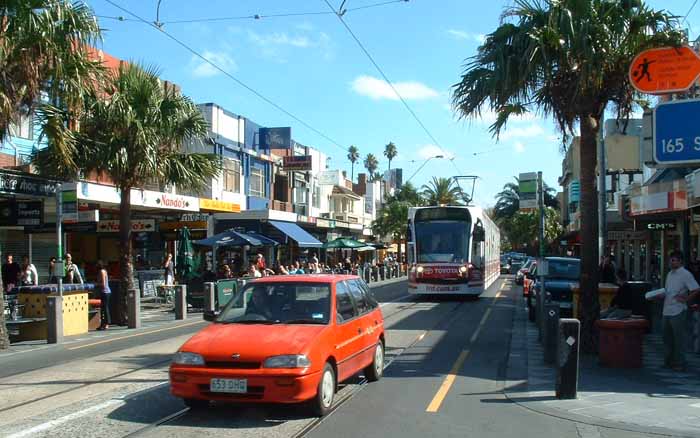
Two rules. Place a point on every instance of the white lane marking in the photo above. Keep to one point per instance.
(596, 406)
(62, 420)
(587, 431)
(397, 300)
(695, 405)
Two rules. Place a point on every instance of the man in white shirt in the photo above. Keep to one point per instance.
(680, 287)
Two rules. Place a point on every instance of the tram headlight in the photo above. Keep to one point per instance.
(463, 269)
(419, 269)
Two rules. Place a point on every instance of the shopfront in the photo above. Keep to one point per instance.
(27, 218)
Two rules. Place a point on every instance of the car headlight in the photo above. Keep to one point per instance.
(185, 358)
(419, 269)
(287, 361)
(463, 269)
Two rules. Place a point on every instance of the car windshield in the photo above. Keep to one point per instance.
(445, 241)
(564, 269)
(279, 303)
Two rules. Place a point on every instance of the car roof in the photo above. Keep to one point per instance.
(305, 278)
(563, 259)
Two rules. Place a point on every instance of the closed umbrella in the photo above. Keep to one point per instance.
(185, 255)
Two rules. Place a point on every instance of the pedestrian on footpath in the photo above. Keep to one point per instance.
(53, 278)
(169, 268)
(105, 295)
(11, 272)
(72, 272)
(30, 277)
(680, 288)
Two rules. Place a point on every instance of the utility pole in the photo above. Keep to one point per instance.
(602, 193)
(540, 203)
(59, 239)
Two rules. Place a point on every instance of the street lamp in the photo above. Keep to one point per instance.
(423, 165)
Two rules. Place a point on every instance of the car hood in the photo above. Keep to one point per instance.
(253, 342)
(560, 285)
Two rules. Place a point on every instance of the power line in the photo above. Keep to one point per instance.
(689, 11)
(229, 75)
(386, 78)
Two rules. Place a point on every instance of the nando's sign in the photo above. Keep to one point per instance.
(26, 185)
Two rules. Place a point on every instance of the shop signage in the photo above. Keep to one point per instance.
(328, 178)
(216, 205)
(628, 235)
(25, 185)
(174, 235)
(669, 224)
(137, 226)
(665, 70)
(192, 225)
(297, 162)
(84, 227)
(325, 223)
(21, 213)
(81, 216)
(275, 138)
(168, 201)
(194, 217)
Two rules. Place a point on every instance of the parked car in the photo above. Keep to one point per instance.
(520, 275)
(283, 339)
(516, 263)
(505, 266)
(562, 278)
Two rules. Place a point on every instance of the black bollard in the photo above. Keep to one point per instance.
(210, 297)
(551, 332)
(54, 319)
(180, 301)
(134, 308)
(567, 358)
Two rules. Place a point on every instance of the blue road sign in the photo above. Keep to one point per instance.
(677, 132)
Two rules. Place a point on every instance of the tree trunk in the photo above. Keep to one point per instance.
(352, 172)
(590, 309)
(4, 335)
(126, 267)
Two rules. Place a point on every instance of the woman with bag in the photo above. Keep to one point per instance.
(105, 295)
(30, 277)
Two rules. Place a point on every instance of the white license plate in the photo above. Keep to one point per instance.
(234, 386)
(442, 288)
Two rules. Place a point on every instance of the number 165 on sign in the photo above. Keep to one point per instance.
(677, 145)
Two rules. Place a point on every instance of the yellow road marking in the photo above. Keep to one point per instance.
(134, 335)
(447, 383)
(481, 324)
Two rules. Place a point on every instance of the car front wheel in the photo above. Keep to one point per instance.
(374, 371)
(325, 394)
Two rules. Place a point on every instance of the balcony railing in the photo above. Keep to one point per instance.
(282, 206)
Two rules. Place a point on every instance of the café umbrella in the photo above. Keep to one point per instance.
(236, 238)
(185, 255)
(343, 243)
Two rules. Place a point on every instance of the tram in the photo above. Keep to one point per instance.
(452, 250)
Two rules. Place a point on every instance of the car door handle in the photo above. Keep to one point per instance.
(359, 331)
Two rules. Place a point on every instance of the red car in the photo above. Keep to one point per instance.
(283, 339)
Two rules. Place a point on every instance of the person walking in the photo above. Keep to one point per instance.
(30, 277)
(607, 270)
(105, 295)
(72, 272)
(681, 287)
(169, 267)
(11, 273)
(53, 278)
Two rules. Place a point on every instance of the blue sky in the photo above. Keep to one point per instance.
(311, 66)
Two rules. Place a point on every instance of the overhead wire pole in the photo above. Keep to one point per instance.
(229, 75)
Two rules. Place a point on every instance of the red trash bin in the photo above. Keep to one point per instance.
(621, 342)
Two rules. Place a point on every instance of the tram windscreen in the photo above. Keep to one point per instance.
(443, 241)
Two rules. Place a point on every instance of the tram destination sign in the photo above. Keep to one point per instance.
(677, 133)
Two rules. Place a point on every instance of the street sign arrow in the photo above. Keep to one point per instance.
(665, 70)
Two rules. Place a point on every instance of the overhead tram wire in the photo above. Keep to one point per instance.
(229, 75)
(689, 11)
(386, 78)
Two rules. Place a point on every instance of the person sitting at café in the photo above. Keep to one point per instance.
(252, 272)
(72, 272)
(30, 277)
(225, 272)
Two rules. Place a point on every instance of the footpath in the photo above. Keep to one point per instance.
(650, 400)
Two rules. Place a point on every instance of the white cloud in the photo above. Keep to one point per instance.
(305, 26)
(279, 39)
(431, 150)
(379, 89)
(462, 35)
(529, 131)
(202, 69)
(272, 45)
(519, 147)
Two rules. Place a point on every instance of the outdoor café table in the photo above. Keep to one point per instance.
(75, 309)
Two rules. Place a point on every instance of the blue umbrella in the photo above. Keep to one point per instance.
(236, 238)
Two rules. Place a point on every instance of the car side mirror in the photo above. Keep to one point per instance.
(211, 315)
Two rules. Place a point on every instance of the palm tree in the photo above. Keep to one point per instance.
(567, 59)
(353, 156)
(391, 221)
(390, 152)
(371, 165)
(442, 191)
(44, 48)
(134, 133)
(408, 194)
(508, 200)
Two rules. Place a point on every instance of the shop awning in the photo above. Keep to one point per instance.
(296, 233)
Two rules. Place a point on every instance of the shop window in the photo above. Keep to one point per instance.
(257, 182)
(316, 197)
(232, 176)
(24, 128)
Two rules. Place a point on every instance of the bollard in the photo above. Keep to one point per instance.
(54, 319)
(567, 358)
(134, 308)
(209, 297)
(368, 276)
(180, 301)
(551, 332)
(381, 273)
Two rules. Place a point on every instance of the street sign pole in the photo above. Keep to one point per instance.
(602, 192)
(59, 239)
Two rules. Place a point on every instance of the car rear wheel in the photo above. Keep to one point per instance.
(195, 404)
(321, 404)
(374, 371)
